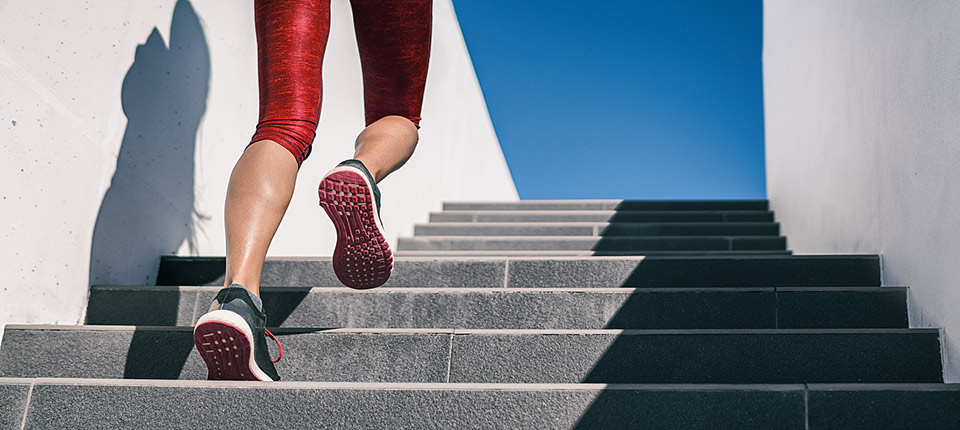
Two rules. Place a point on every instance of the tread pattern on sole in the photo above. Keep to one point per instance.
(362, 258)
(226, 350)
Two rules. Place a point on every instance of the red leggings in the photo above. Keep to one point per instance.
(394, 41)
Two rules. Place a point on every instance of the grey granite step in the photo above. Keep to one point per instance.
(636, 244)
(597, 229)
(43, 403)
(529, 308)
(507, 356)
(883, 406)
(620, 205)
(583, 253)
(98, 403)
(601, 216)
(577, 272)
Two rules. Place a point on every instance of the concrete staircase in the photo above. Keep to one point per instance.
(593, 314)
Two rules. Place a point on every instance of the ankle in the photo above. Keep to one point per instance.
(377, 170)
(254, 297)
(249, 285)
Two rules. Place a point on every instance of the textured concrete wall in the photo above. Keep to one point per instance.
(862, 102)
(122, 120)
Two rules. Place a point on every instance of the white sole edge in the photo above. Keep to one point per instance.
(233, 319)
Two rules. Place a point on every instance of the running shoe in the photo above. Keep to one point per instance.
(362, 258)
(230, 338)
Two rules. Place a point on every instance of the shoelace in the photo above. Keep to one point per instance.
(278, 344)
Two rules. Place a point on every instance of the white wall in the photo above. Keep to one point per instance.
(862, 101)
(121, 121)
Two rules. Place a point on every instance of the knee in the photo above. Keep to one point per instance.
(396, 120)
(294, 135)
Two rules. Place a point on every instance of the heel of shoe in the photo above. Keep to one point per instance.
(225, 342)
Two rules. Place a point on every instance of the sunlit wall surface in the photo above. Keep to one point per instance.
(121, 122)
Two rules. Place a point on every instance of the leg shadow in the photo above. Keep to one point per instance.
(149, 209)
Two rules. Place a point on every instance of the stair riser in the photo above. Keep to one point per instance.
(601, 216)
(13, 404)
(551, 253)
(514, 357)
(697, 272)
(608, 230)
(636, 244)
(627, 309)
(520, 272)
(70, 406)
(704, 358)
(624, 205)
(318, 272)
(894, 407)
(121, 404)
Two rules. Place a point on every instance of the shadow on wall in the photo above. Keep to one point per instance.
(148, 210)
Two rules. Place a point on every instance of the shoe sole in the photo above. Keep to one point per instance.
(225, 342)
(362, 258)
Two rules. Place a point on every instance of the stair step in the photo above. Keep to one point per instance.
(495, 356)
(601, 216)
(576, 272)
(544, 253)
(624, 205)
(884, 406)
(597, 229)
(522, 308)
(67, 403)
(637, 244)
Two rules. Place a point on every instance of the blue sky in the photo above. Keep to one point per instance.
(623, 99)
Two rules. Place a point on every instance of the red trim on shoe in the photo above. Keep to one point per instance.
(278, 344)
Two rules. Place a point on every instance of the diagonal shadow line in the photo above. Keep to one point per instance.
(649, 310)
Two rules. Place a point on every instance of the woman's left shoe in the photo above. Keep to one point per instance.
(230, 338)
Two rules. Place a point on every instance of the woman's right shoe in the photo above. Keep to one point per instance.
(230, 338)
(349, 195)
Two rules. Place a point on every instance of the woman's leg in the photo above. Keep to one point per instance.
(291, 38)
(260, 189)
(394, 43)
(386, 144)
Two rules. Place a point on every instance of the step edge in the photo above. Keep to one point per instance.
(484, 258)
(497, 290)
(459, 331)
(458, 386)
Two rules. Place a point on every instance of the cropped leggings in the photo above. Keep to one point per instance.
(393, 37)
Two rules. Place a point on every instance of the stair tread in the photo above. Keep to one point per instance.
(922, 386)
(115, 403)
(500, 355)
(581, 253)
(499, 307)
(611, 204)
(394, 330)
(557, 271)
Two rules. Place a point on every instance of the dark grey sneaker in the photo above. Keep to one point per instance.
(362, 258)
(230, 338)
